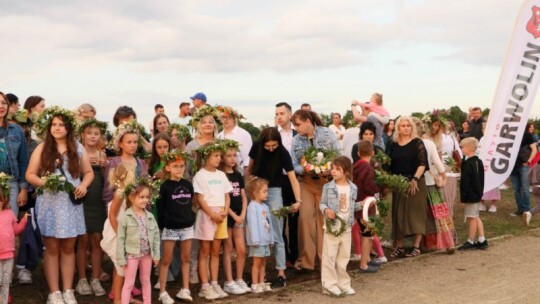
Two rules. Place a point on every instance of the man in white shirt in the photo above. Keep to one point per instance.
(183, 117)
(231, 130)
(287, 132)
(284, 125)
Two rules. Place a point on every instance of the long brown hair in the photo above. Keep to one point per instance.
(50, 154)
(304, 115)
(156, 118)
(155, 159)
(4, 123)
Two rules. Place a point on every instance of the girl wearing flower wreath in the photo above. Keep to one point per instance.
(311, 133)
(138, 239)
(125, 142)
(269, 159)
(212, 190)
(235, 221)
(179, 135)
(59, 219)
(337, 204)
(176, 218)
(206, 122)
(95, 213)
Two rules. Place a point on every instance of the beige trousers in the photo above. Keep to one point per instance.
(335, 257)
(310, 223)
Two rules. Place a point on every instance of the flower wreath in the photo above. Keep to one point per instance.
(4, 184)
(42, 122)
(94, 123)
(182, 131)
(131, 126)
(229, 111)
(330, 224)
(206, 110)
(435, 115)
(317, 160)
(281, 212)
(229, 144)
(145, 181)
(176, 155)
(21, 116)
(207, 149)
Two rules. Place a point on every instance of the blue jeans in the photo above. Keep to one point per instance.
(520, 184)
(275, 201)
(13, 194)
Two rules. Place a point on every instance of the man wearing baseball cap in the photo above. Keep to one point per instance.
(199, 100)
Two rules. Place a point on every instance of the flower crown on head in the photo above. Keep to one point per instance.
(435, 115)
(226, 110)
(209, 148)
(205, 110)
(92, 122)
(229, 144)
(182, 131)
(144, 181)
(176, 155)
(4, 184)
(21, 116)
(42, 122)
(131, 126)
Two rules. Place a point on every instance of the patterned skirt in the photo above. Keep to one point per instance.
(441, 233)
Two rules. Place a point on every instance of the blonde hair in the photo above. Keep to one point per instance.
(420, 128)
(255, 184)
(216, 127)
(86, 107)
(122, 175)
(377, 98)
(470, 142)
(409, 119)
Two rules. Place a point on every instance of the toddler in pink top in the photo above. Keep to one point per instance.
(8, 229)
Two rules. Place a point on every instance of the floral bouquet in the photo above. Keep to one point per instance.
(55, 183)
(317, 160)
(4, 184)
(281, 212)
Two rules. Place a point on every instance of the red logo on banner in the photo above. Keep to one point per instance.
(533, 26)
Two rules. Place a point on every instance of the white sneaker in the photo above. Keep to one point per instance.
(527, 217)
(266, 286)
(25, 276)
(256, 288)
(336, 292)
(165, 298)
(83, 288)
(381, 260)
(493, 208)
(219, 291)
(243, 285)
(184, 294)
(98, 290)
(55, 298)
(348, 291)
(356, 257)
(232, 287)
(208, 293)
(69, 296)
(482, 207)
(194, 278)
(157, 286)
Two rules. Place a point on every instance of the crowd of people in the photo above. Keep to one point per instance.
(196, 188)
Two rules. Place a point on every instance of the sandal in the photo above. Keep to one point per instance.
(414, 252)
(398, 252)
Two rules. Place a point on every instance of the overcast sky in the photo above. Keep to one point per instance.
(252, 54)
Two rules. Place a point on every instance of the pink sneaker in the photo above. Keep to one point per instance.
(136, 291)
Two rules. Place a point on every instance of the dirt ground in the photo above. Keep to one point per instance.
(508, 272)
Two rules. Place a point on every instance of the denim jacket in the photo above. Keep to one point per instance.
(323, 138)
(330, 199)
(129, 237)
(17, 153)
